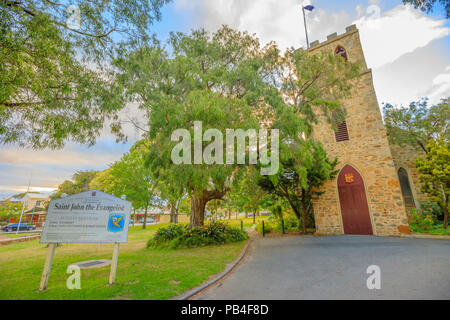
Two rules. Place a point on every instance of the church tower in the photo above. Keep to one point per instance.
(365, 197)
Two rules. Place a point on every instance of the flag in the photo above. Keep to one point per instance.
(309, 8)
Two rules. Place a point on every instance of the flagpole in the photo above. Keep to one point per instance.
(306, 30)
(23, 206)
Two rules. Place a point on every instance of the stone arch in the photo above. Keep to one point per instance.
(340, 50)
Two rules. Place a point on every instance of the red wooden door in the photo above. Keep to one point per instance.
(354, 207)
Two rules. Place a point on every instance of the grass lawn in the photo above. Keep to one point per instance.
(142, 273)
(437, 230)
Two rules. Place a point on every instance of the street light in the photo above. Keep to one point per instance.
(309, 8)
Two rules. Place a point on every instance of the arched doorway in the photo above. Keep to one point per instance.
(353, 200)
(406, 189)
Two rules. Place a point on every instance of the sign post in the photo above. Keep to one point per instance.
(115, 258)
(88, 217)
(47, 266)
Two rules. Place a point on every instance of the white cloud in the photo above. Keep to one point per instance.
(386, 36)
(396, 43)
(440, 88)
(270, 20)
(397, 32)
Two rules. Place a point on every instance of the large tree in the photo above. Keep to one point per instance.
(55, 84)
(215, 80)
(130, 176)
(435, 174)
(418, 123)
(9, 210)
(79, 183)
(304, 169)
(228, 81)
(428, 5)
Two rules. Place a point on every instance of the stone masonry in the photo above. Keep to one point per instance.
(367, 151)
(404, 157)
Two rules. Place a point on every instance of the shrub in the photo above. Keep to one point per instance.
(433, 209)
(423, 221)
(176, 236)
(268, 226)
(273, 224)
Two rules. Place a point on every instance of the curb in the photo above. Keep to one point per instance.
(6, 242)
(425, 236)
(201, 287)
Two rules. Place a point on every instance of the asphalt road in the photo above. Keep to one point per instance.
(292, 268)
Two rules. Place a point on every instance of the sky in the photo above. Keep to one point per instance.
(408, 51)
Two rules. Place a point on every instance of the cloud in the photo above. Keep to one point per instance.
(398, 43)
(397, 32)
(270, 20)
(415, 75)
(386, 36)
(51, 167)
(440, 88)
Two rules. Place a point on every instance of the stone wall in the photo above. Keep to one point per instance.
(404, 157)
(368, 151)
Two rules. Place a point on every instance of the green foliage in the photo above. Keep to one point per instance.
(428, 5)
(215, 79)
(423, 220)
(129, 176)
(228, 81)
(273, 224)
(55, 85)
(304, 168)
(417, 124)
(435, 174)
(437, 229)
(433, 209)
(80, 183)
(177, 236)
(9, 210)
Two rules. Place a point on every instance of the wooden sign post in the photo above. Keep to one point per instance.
(115, 258)
(88, 217)
(47, 266)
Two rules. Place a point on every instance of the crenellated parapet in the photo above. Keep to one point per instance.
(334, 36)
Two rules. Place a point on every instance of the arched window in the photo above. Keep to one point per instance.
(406, 188)
(342, 52)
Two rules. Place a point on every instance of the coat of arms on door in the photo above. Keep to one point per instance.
(349, 178)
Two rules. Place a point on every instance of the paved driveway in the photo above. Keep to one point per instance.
(335, 268)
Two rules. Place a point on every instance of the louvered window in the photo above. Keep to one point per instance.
(342, 132)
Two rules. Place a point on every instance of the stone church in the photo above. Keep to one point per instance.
(377, 185)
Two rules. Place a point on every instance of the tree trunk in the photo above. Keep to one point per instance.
(173, 213)
(304, 210)
(197, 211)
(145, 218)
(229, 214)
(445, 216)
(254, 217)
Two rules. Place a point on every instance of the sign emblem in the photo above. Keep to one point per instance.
(116, 222)
(349, 178)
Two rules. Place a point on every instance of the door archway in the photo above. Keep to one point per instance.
(353, 200)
